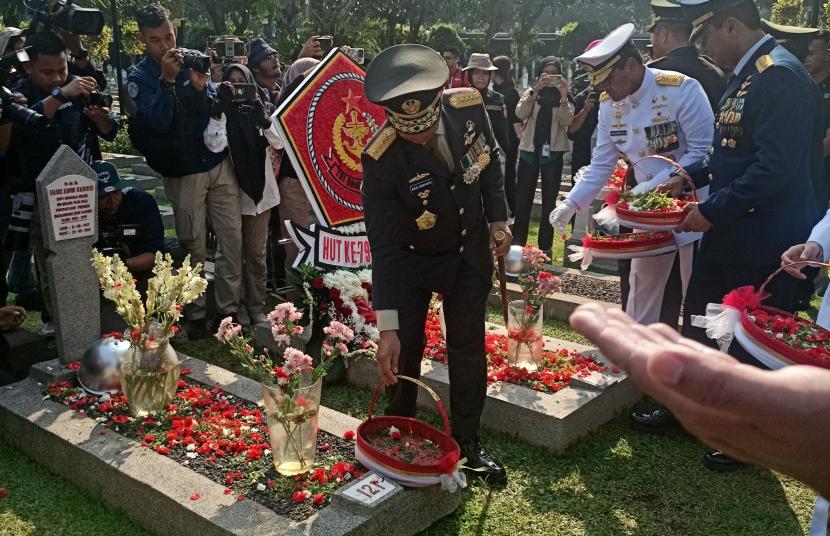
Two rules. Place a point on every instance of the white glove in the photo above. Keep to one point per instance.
(562, 214)
(642, 188)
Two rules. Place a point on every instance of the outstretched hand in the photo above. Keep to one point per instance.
(767, 418)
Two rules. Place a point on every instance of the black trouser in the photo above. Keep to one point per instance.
(510, 180)
(464, 309)
(528, 174)
(711, 281)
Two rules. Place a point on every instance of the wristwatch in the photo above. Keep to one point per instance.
(57, 94)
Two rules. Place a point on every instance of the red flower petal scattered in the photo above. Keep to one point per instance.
(74, 365)
(195, 497)
(3, 492)
(300, 496)
(349, 435)
(318, 499)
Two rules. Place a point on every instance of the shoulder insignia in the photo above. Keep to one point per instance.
(464, 98)
(381, 142)
(763, 63)
(670, 79)
(603, 96)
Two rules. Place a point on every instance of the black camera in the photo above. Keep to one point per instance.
(67, 16)
(229, 49)
(96, 98)
(17, 233)
(12, 60)
(114, 239)
(193, 59)
(16, 113)
(244, 92)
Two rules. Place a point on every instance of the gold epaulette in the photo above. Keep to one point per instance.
(381, 142)
(463, 97)
(603, 96)
(670, 79)
(763, 63)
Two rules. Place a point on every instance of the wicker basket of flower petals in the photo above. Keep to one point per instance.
(622, 246)
(409, 451)
(653, 211)
(774, 337)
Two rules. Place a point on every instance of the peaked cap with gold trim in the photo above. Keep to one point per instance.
(407, 81)
(601, 60)
(700, 12)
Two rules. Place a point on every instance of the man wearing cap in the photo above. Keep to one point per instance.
(643, 112)
(761, 200)
(264, 62)
(433, 198)
(672, 51)
(134, 211)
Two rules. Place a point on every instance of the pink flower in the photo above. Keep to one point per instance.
(227, 330)
(284, 312)
(338, 330)
(296, 361)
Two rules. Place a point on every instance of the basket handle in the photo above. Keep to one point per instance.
(681, 171)
(784, 267)
(427, 388)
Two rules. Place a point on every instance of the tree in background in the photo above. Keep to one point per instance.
(576, 36)
(787, 12)
(443, 35)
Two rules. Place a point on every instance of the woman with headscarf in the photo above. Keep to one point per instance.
(245, 128)
(504, 84)
(547, 111)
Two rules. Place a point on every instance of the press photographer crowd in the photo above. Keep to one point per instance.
(720, 119)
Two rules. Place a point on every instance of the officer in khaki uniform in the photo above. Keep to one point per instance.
(433, 196)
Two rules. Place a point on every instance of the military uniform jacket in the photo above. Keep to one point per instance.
(497, 112)
(761, 199)
(668, 115)
(422, 218)
(686, 60)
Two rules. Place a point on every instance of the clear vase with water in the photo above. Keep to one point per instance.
(292, 425)
(150, 373)
(525, 340)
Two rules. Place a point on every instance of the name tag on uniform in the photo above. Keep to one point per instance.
(615, 133)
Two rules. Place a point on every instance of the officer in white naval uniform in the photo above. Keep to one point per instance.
(643, 111)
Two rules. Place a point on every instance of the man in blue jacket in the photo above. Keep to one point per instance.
(166, 96)
(761, 199)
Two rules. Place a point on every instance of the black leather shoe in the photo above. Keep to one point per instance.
(653, 421)
(718, 461)
(490, 469)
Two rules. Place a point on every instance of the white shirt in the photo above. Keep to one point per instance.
(636, 125)
(216, 140)
(741, 64)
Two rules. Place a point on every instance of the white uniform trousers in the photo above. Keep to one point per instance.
(648, 279)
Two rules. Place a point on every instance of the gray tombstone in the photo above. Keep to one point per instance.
(67, 193)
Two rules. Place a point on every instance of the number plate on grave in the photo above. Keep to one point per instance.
(369, 490)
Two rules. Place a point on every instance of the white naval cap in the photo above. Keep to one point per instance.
(600, 60)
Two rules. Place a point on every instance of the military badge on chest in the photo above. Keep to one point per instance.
(662, 134)
(729, 122)
(420, 186)
(475, 159)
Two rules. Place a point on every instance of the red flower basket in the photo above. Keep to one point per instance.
(630, 245)
(778, 338)
(442, 470)
(655, 220)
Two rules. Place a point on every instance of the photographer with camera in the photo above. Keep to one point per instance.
(241, 121)
(75, 112)
(129, 224)
(174, 95)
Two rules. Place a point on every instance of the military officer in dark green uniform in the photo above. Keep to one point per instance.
(433, 196)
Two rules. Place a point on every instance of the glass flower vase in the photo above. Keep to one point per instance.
(150, 375)
(292, 425)
(525, 342)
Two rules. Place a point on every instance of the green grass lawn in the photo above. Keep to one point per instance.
(617, 481)
(557, 252)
